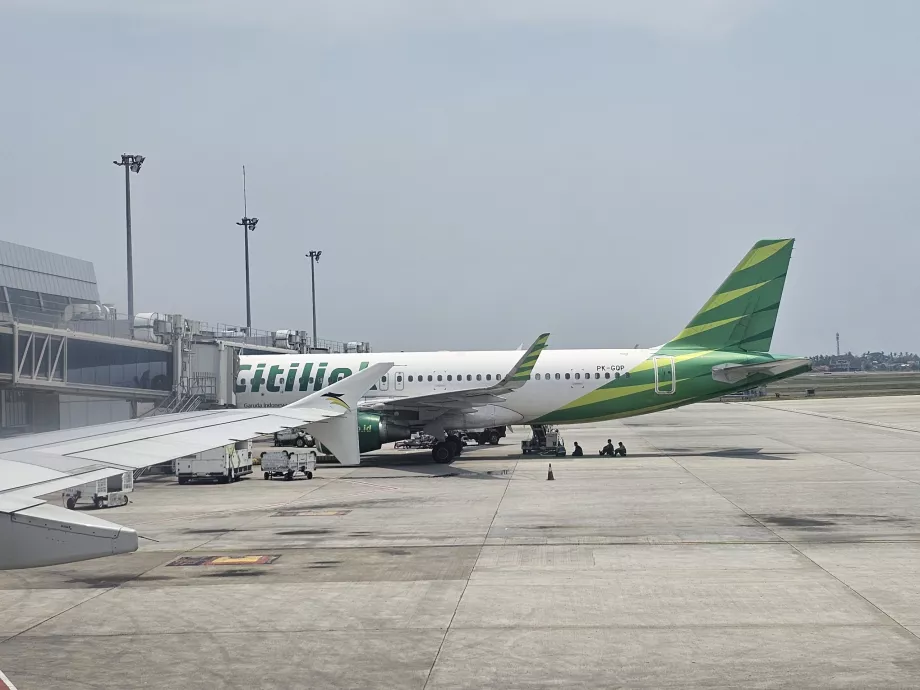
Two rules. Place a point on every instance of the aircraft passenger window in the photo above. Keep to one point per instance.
(546, 376)
(469, 377)
(429, 377)
(617, 375)
(568, 376)
(449, 378)
(538, 377)
(383, 379)
(479, 377)
(410, 378)
(577, 376)
(606, 374)
(596, 375)
(557, 377)
(439, 377)
(488, 377)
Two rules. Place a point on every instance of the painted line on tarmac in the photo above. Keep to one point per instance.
(6, 683)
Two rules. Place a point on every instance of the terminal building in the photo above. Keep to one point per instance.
(67, 359)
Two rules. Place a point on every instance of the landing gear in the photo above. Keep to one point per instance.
(442, 453)
(456, 446)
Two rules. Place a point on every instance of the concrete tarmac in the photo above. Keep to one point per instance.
(768, 544)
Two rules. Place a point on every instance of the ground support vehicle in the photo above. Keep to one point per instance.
(104, 493)
(287, 463)
(545, 441)
(293, 437)
(416, 441)
(225, 464)
(486, 437)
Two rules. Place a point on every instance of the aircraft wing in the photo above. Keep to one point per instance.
(471, 398)
(34, 533)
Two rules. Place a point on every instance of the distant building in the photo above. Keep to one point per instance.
(38, 286)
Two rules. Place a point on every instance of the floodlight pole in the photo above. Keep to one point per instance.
(314, 258)
(249, 225)
(130, 162)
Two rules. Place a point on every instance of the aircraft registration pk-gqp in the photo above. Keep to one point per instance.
(724, 348)
(353, 403)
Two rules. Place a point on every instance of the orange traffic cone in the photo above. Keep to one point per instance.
(549, 475)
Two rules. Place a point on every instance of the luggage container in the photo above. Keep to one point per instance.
(104, 493)
(287, 463)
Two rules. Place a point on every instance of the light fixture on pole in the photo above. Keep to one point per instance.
(314, 259)
(248, 224)
(132, 163)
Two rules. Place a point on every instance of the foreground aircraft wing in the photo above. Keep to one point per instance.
(34, 533)
(470, 398)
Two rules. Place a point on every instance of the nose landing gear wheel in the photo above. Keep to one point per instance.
(442, 453)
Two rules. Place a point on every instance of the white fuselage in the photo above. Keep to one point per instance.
(560, 377)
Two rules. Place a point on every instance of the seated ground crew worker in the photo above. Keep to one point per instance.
(608, 449)
(620, 449)
(577, 452)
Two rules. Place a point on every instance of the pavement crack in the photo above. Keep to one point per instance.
(466, 584)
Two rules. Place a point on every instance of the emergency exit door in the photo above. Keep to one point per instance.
(665, 375)
(399, 379)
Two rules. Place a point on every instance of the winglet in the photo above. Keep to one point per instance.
(345, 394)
(521, 371)
(339, 432)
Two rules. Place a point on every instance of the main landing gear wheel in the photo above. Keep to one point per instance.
(442, 453)
(456, 447)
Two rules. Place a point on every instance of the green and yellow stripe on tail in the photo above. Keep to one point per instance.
(525, 365)
(741, 315)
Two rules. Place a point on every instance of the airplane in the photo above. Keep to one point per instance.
(34, 533)
(723, 349)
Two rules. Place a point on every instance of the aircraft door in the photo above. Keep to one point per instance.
(665, 375)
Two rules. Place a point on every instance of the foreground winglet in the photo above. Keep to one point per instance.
(339, 433)
(345, 394)
(521, 371)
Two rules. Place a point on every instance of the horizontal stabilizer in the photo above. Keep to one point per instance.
(737, 373)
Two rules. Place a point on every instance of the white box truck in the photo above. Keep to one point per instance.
(225, 464)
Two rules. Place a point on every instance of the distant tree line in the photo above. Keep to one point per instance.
(868, 361)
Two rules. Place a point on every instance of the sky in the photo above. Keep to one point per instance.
(475, 172)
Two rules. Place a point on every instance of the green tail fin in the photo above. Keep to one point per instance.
(742, 313)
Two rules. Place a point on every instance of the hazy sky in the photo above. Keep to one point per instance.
(475, 172)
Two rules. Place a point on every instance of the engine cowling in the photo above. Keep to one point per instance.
(373, 432)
